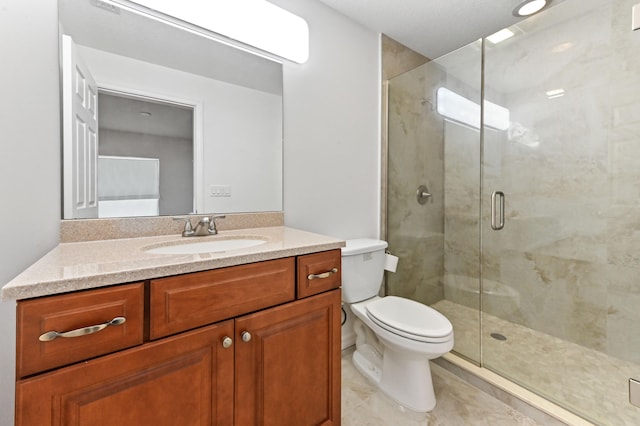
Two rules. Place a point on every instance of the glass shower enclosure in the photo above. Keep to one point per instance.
(530, 240)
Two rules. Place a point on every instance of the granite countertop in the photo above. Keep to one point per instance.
(92, 264)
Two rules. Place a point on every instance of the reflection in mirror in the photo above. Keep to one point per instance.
(141, 96)
(136, 136)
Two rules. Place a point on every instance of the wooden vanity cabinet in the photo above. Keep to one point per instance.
(182, 380)
(272, 361)
(288, 369)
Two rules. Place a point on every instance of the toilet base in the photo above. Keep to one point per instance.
(405, 378)
(368, 364)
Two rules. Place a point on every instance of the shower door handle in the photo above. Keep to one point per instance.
(497, 210)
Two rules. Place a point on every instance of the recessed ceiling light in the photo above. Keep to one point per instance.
(529, 7)
(555, 93)
(501, 35)
(145, 113)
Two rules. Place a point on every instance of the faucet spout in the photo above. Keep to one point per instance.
(202, 228)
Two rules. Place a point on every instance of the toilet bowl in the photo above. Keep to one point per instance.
(395, 337)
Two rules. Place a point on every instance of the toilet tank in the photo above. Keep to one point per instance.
(362, 269)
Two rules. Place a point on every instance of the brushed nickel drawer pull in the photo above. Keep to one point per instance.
(51, 335)
(322, 275)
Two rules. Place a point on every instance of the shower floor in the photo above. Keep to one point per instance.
(587, 382)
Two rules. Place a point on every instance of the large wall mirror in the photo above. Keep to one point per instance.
(159, 119)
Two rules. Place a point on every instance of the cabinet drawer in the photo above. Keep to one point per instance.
(319, 272)
(187, 301)
(68, 312)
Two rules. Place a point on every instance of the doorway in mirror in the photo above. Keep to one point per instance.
(146, 151)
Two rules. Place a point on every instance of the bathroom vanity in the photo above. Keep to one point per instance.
(244, 337)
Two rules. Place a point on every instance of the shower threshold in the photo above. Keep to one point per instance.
(519, 398)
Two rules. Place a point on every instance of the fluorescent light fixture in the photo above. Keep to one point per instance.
(496, 116)
(529, 7)
(500, 36)
(555, 93)
(256, 23)
(460, 109)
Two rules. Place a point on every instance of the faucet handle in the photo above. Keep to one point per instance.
(188, 229)
(212, 225)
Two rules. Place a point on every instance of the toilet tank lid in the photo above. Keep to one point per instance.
(363, 245)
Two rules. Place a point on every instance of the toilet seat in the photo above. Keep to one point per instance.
(409, 319)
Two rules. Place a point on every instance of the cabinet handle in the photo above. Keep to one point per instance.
(51, 335)
(246, 336)
(322, 275)
(227, 342)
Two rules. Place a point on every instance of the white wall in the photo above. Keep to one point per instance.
(331, 141)
(29, 157)
(331, 129)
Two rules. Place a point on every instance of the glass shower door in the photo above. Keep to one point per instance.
(560, 279)
(437, 236)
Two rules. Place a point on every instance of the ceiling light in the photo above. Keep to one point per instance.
(529, 7)
(501, 35)
(145, 113)
(555, 93)
(256, 23)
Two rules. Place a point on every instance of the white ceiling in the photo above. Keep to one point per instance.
(431, 27)
(125, 114)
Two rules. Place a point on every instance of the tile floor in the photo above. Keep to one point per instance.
(458, 403)
(583, 380)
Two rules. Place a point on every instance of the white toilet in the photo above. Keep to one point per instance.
(395, 337)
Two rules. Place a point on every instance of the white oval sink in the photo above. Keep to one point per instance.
(207, 246)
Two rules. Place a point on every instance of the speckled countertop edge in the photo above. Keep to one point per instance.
(85, 265)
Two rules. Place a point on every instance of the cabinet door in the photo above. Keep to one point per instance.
(183, 380)
(288, 366)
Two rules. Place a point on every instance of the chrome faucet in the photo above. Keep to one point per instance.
(205, 226)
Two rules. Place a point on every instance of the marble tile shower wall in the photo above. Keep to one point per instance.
(416, 157)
